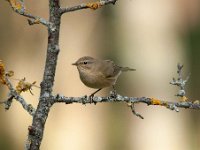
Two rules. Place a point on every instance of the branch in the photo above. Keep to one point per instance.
(7, 103)
(132, 106)
(36, 130)
(93, 5)
(19, 8)
(180, 82)
(133, 100)
(14, 94)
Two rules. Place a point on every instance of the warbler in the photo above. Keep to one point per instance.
(97, 73)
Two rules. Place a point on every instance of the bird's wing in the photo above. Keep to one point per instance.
(110, 69)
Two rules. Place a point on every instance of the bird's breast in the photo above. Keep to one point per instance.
(96, 80)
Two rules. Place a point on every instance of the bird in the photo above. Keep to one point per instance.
(99, 74)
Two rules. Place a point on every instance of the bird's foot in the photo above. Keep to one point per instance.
(113, 94)
(92, 96)
(91, 99)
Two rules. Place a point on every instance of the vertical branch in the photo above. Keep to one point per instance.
(180, 82)
(35, 134)
(52, 50)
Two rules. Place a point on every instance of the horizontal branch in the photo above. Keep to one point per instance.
(118, 98)
(13, 94)
(19, 8)
(92, 5)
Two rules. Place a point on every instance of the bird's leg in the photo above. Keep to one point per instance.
(92, 95)
(114, 92)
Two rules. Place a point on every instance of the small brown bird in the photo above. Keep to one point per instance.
(98, 74)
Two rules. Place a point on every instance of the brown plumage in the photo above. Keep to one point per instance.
(98, 74)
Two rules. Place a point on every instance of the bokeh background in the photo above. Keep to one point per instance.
(149, 35)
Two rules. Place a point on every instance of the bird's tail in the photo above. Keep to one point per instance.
(127, 69)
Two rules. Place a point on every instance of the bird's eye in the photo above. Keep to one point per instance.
(85, 62)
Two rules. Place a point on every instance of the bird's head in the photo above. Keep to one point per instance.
(85, 63)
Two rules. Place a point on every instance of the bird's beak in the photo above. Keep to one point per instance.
(75, 64)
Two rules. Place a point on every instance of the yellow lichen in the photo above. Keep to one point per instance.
(36, 21)
(15, 5)
(94, 5)
(155, 101)
(129, 104)
(184, 98)
(24, 86)
(196, 102)
(10, 73)
(32, 22)
(2, 73)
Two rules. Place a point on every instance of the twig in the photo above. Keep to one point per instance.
(7, 103)
(93, 5)
(180, 82)
(132, 106)
(13, 94)
(19, 8)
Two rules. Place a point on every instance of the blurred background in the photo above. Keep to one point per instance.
(151, 36)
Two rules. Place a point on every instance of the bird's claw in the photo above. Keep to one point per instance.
(91, 100)
(113, 94)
